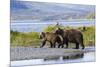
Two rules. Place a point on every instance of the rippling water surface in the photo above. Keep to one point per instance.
(29, 26)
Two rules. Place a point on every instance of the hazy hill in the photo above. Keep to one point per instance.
(41, 11)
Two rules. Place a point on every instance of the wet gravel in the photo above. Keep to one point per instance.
(26, 53)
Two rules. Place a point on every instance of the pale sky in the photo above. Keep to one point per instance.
(89, 2)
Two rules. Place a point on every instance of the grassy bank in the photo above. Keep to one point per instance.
(24, 39)
(32, 38)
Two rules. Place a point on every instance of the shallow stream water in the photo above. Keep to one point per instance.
(83, 57)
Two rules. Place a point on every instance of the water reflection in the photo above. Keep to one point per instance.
(83, 57)
(70, 57)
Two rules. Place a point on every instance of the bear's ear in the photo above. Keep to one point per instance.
(43, 33)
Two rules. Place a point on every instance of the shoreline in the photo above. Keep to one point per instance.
(27, 53)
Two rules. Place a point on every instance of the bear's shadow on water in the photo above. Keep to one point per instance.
(71, 57)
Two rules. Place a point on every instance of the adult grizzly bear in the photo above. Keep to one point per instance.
(72, 36)
(53, 38)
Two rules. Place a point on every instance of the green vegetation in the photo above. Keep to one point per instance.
(32, 38)
(51, 28)
(89, 36)
(24, 39)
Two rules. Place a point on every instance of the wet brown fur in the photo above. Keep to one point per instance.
(53, 38)
(72, 36)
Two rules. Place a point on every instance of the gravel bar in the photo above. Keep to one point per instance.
(26, 53)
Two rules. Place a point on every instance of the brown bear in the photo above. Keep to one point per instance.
(72, 36)
(53, 38)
